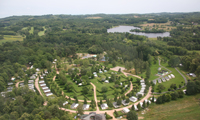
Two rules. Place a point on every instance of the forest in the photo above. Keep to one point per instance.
(66, 35)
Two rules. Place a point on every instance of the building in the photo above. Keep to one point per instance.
(10, 83)
(163, 79)
(65, 103)
(93, 116)
(191, 74)
(47, 90)
(106, 81)
(133, 99)
(154, 82)
(13, 79)
(159, 81)
(162, 72)
(172, 76)
(167, 78)
(44, 88)
(126, 110)
(86, 107)
(74, 105)
(41, 81)
(104, 106)
(115, 105)
(49, 94)
(124, 103)
(135, 106)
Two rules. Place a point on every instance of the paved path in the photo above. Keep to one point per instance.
(182, 76)
(95, 96)
(37, 86)
(110, 112)
(17, 84)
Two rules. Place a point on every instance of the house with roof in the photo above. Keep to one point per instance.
(124, 102)
(42, 81)
(159, 81)
(191, 74)
(10, 83)
(86, 106)
(13, 79)
(44, 88)
(32, 77)
(47, 90)
(93, 116)
(42, 85)
(115, 105)
(167, 78)
(154, 82)
(49, 94)
(65, 103)
(163, 79)
(30, 81)
(172, 75)
(125, 110)
(133, 99)
(106, 81)
(162, 72)
(104, 106)
(74, 105)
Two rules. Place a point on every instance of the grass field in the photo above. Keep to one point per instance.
(32, 30)
(186, 108)
(11, 38)
(77, 88)
(41, 32)
(177, 80)
(164, 26)
(198, 51)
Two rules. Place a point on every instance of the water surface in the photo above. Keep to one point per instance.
(123, 29)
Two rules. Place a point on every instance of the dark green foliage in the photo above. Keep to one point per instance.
(132, 115)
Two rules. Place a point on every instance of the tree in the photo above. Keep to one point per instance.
(160, 87)
(168, 97)
(132, 115)
(104, 89)
(144, 104)
(80, 109)
(104, 96)
(101, 101)
(139, 106)
(127, 100)
(119, 70)
(114, 63)
(119, 102)
(147, 103)
(85, 101)
(139, 96)
(133, 108)
(148, 72)
(191, 88)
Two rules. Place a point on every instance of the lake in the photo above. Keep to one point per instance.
(123, 29)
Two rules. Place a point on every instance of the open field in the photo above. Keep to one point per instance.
(32, 30)
(177, 80)
(93, 17)
(186, 108)
(11, 38)
(77, 88)
(41, 32)
(198, 51)
(164, 26)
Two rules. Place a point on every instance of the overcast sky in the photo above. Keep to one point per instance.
(74, 7)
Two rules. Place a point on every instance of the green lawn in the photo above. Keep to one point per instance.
(177, 80)
(110, 86)
(186, 108)
(77, 88)
(11, 38)
(32, 30)
(154, 71)
(41, 32)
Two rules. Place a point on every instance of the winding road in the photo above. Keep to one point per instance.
(110, 112)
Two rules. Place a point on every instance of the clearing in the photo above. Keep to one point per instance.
(11, 38)
(186, 108)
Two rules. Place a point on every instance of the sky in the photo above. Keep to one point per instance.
(77, 7)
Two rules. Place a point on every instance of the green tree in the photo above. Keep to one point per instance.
(132, 115)
(80, 109)
(104, 89)
(85, 101)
